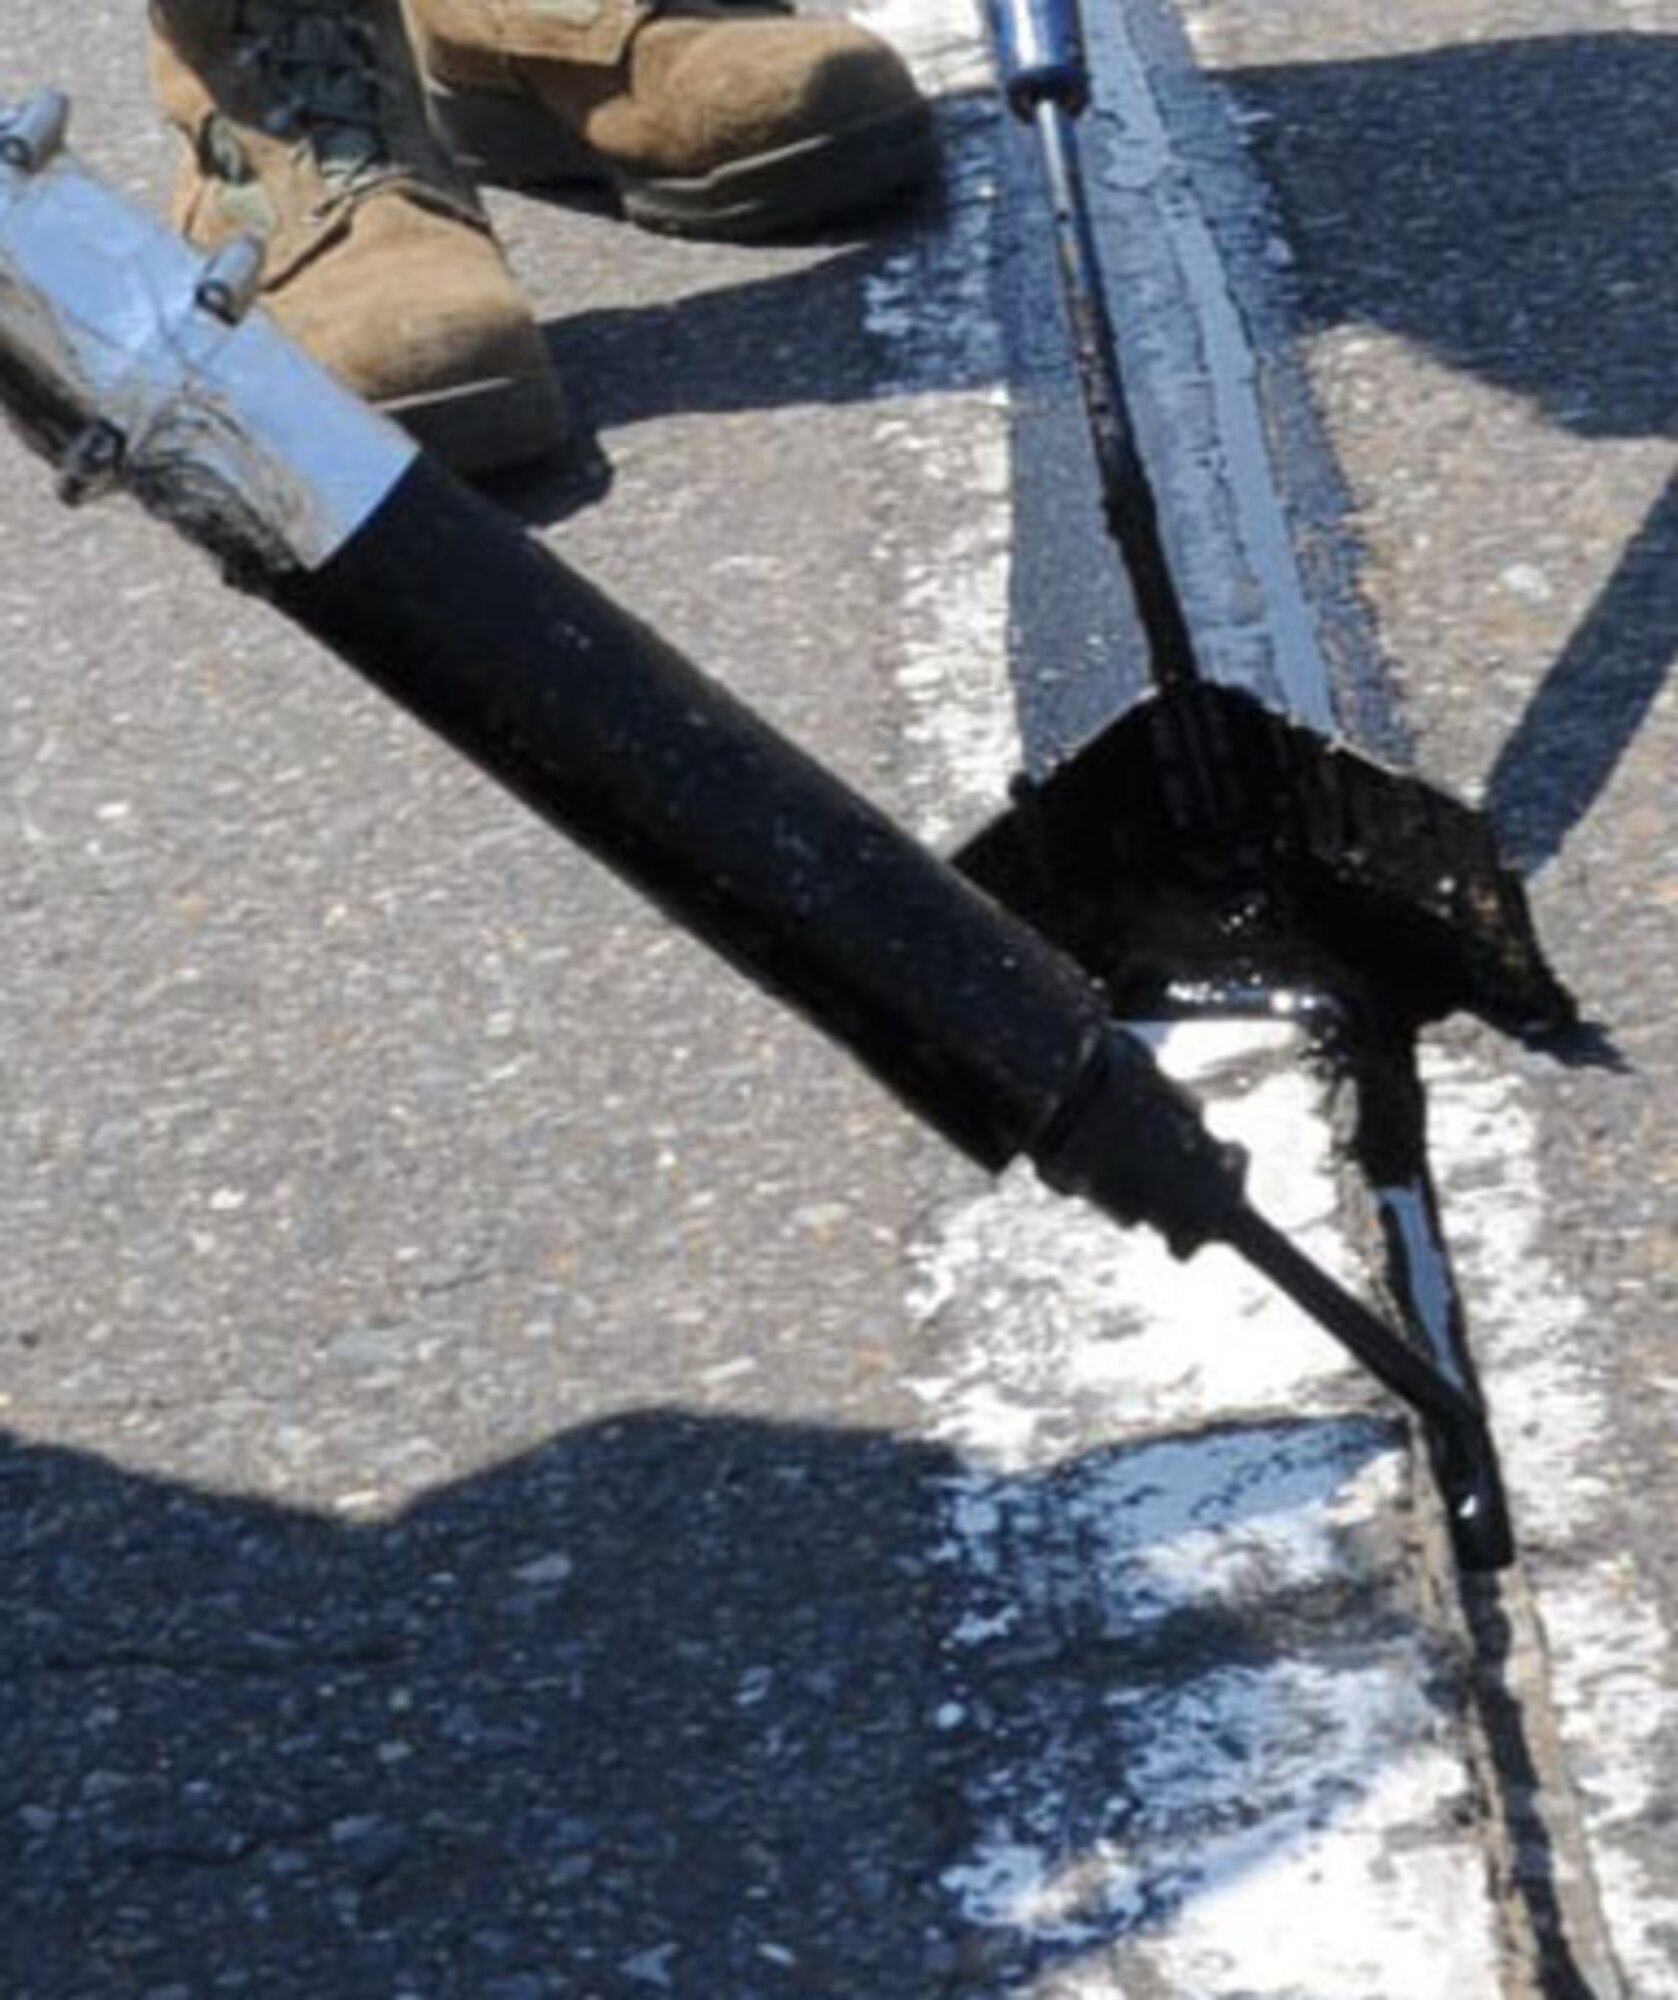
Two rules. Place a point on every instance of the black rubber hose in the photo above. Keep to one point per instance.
(983, 1028)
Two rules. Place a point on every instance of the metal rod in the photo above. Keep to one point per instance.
(1465, 1455)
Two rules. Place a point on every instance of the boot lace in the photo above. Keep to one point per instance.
(320, 68)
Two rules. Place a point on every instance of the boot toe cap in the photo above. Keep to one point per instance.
(425, 322)
(762, 86)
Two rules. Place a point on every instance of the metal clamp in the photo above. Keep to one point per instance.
(32, 132)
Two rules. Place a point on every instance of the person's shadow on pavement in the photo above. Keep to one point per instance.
(670, 1704)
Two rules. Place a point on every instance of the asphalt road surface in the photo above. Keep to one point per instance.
(523, 1474)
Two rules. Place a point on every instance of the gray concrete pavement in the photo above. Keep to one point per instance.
(524, 1475)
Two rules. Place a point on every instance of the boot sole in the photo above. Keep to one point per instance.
(488, 426)
(514, 142)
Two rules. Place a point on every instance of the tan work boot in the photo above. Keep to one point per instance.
(710, 117)
(304, 127)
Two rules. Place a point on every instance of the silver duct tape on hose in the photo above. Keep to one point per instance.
(128, 358)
